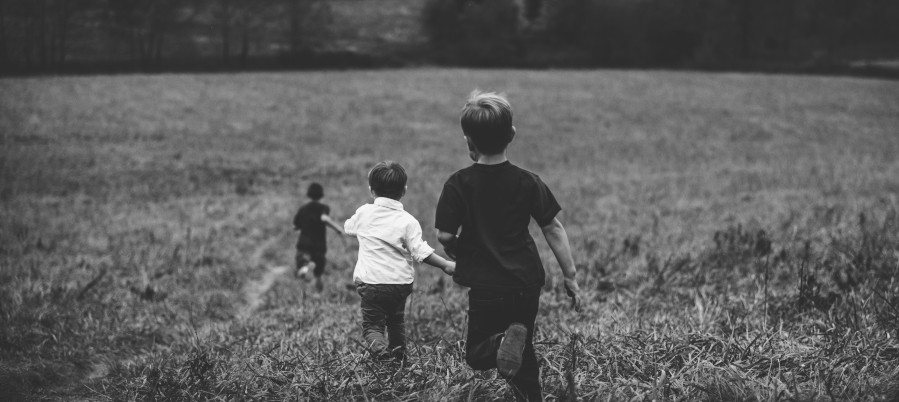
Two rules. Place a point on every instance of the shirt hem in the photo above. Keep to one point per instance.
(502, 288)
(358, 281)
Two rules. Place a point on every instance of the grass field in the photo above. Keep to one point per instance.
(737, 236)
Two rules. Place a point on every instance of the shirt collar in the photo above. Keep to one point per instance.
(389, 203)
(493, 166)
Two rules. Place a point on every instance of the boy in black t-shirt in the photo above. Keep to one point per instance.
(493, 201)
(311, 220)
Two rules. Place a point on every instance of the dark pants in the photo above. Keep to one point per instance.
(489, 314)
(317, 256)
(384, 306)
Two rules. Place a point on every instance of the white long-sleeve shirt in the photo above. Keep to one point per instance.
(389, 240)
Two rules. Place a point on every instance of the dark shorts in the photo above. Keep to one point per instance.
(316, 256)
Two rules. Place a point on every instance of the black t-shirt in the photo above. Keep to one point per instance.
(493, 204)
(312, 230)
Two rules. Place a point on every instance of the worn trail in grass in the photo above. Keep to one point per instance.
(253, 294)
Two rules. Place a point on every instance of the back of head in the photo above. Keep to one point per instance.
(487, 121)
(315, 191)
(388, 179)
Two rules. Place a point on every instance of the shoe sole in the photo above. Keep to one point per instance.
(508, 357)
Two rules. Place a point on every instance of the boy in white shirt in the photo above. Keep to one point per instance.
(389, 240)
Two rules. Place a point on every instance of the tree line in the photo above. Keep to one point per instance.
(667, 33)
(67, 35)
(61, 35)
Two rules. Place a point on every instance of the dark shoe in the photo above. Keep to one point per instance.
(318, 284)
(398, 353)
(508, 357)
(381, 356)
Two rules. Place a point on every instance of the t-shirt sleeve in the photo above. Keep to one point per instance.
(545, 206)
(450, 209)
(326, 210)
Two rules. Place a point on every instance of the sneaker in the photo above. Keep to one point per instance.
(382, 356)
(511, 347)
(398, 354)
(304, 270)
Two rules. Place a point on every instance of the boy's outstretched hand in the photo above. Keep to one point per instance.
(574, 292)
(434, 260)
(451, 268)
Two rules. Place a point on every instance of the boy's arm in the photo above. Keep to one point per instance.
(448, 240)
(437, 261)
(557, 238)
(419, 250)
(448, 217)
(349, 227)
(333, 225)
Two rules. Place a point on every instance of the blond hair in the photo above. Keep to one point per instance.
(487, 120)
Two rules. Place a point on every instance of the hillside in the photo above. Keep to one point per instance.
(735, 234)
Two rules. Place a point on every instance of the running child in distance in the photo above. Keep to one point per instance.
(311, 220)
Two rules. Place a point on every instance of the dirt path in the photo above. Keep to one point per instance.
(254, 291)
(253, 294)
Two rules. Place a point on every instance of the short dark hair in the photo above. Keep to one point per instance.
(315, 191)
(388, 179)
(487, 120)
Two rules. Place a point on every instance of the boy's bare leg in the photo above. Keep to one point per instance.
(318, 269)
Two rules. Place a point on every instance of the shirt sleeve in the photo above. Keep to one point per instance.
(417, 247)
(450, 209)
(350, 226)
(545, 206)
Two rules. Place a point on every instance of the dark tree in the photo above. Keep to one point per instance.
(4, 52)
(482, 33)
(239, 23)
(250, 21)
(144, 25)
(225, 18)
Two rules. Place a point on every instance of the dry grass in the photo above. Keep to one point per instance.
(736, 234)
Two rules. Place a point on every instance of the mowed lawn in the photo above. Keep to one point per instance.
(736, 234)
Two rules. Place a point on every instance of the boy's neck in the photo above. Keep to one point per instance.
(491, 159)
